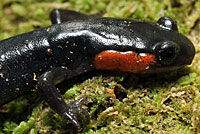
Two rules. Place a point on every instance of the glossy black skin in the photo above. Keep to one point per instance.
(49, 55)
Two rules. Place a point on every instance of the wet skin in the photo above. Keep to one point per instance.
(76, 44)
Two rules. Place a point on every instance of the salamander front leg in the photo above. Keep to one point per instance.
(46, 83)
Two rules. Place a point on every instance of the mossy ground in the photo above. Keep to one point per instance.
(168, 103)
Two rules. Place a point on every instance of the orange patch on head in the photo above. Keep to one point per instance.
(123, 61)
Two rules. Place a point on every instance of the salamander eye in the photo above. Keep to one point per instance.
(167, 23)
(166, 51)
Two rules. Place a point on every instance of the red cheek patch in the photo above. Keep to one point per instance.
(123, 61)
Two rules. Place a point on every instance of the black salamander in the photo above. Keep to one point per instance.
(69, 48)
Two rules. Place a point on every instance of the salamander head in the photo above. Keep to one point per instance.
(174, 53)
(170, 56)
(165, 50)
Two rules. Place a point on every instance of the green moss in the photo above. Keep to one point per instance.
(186, 80)
(19, 9)
(153, 104)
(24, 127)
(8, 127)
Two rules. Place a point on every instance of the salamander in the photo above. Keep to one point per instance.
(77, 43)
